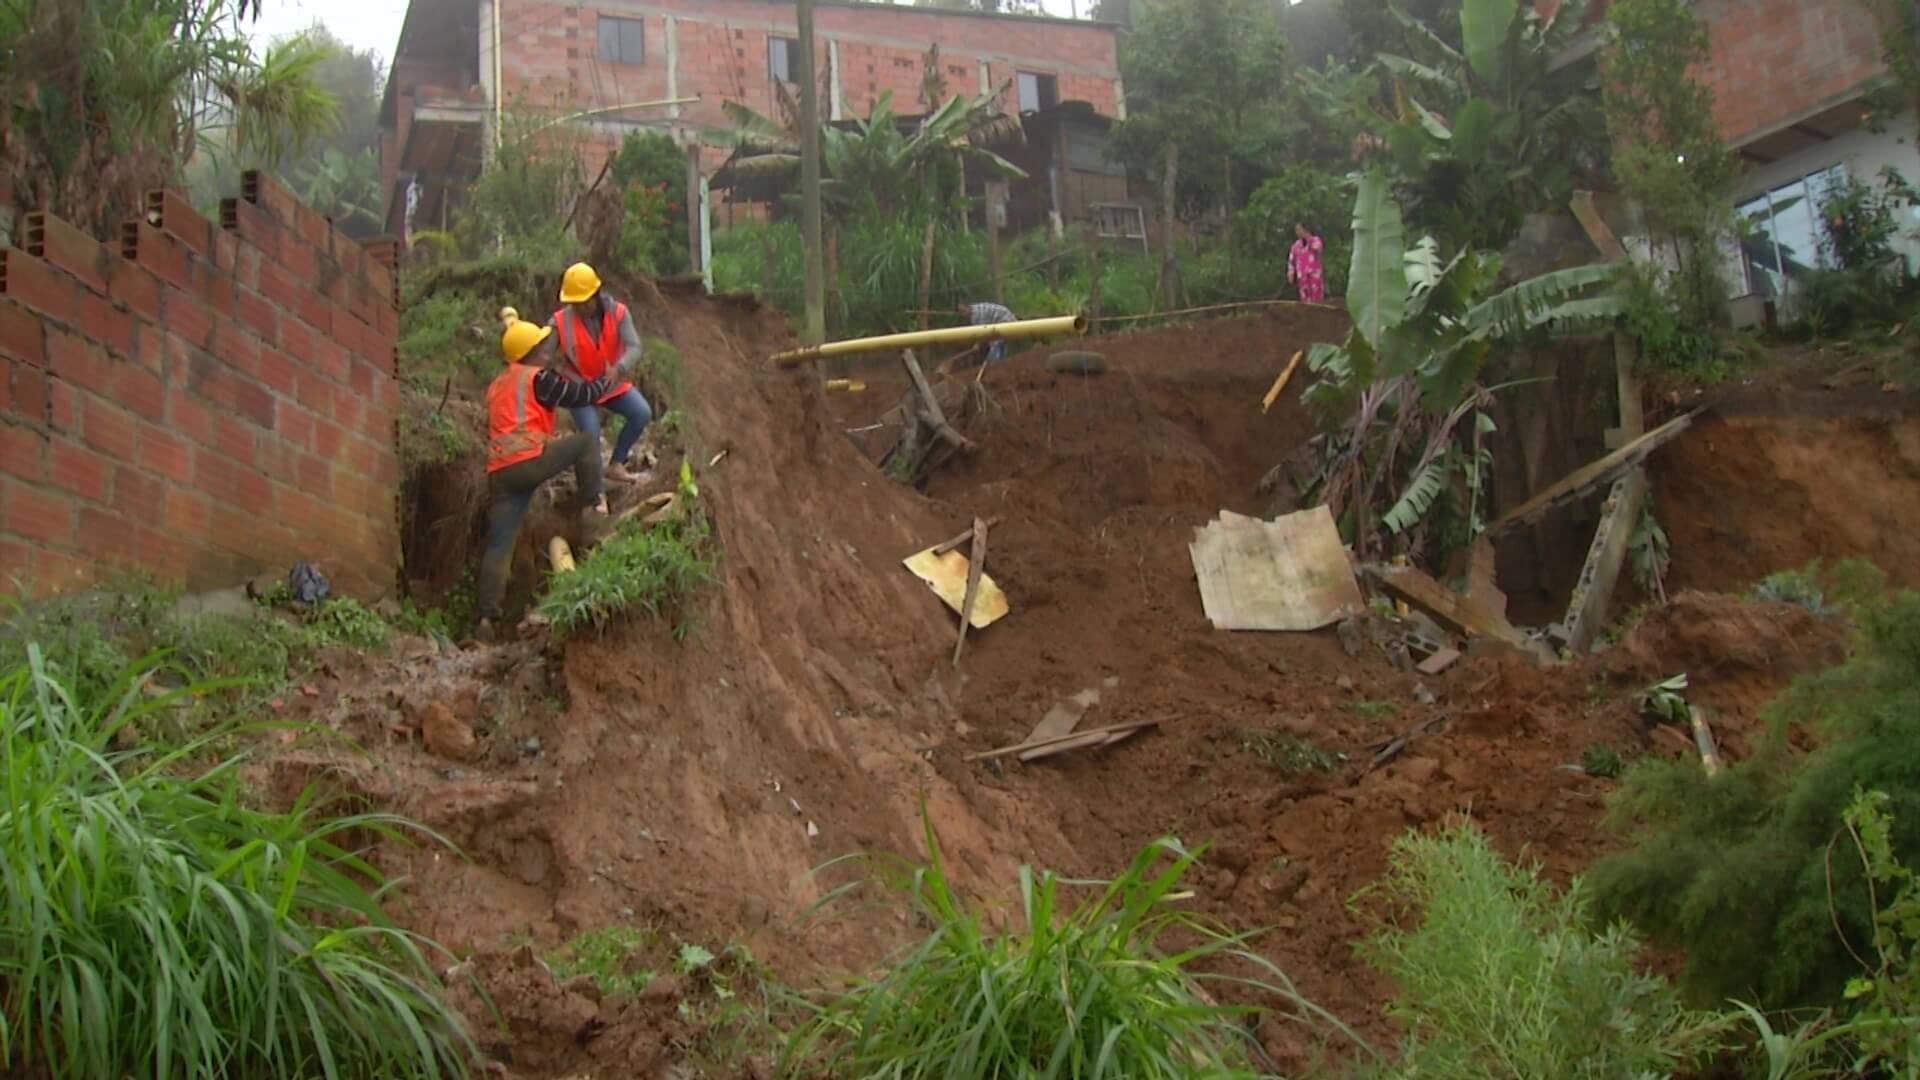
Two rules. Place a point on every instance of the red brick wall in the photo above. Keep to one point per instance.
(549, 51)
(1775, 60)
(203, 401)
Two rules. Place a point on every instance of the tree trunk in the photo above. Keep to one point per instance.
(1093, 275)
(994, 196)
(1233, 251)
(926, 275)
(814, 302)
(1169, 268)
(831, 289)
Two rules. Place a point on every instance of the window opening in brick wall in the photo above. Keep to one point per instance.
(622, 41)
(1038, 91)
(783, 58)
(1787, 233)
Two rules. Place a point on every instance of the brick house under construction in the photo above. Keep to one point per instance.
(460, 63)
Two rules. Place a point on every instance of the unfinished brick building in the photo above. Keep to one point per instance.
(460, 63)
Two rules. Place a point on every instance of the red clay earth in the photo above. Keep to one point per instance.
(624, 778)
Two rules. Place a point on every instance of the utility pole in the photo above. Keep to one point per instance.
(815, 330)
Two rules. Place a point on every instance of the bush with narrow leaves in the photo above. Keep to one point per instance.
(156, 925)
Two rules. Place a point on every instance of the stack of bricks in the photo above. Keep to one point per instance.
(200, 402)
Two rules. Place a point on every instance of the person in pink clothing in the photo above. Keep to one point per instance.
(1303, 265)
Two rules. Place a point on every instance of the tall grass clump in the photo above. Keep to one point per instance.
(156, 926)
(1105, 987)
(1499, 977)
(646, 569)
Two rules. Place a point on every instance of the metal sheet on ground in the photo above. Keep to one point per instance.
(1287, 574)
(946, 575)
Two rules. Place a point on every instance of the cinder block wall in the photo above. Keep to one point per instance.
(202, 400)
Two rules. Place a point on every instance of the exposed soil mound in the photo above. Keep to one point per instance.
(1773, 479)
(628, 779)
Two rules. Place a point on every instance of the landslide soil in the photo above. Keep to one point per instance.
(626, 778)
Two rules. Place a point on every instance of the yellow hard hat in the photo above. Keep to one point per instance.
(579, 284)
(521, 338)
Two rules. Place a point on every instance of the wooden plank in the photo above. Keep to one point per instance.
(945, 546)
(974, 566)
(1078, 738)
(1438, 662)
(1065, 715)
(1591, 477)
(1596, 227)
(1452, 611)
(1606, 557)
(1280, 384)
(935, 415)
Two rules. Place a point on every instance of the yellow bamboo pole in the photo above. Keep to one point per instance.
(1023, 330)
(560, 555)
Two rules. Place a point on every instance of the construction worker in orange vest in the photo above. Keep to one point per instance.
(522, 452)
(597, 338)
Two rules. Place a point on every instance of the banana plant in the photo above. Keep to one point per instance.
(1482, 134)
(1397, 392)
(877, 162)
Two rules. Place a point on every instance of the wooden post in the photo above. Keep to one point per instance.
(814, 331)
(926, 274)
(995, 193)
(1169, 269)
(976, 561)
(1093, 276)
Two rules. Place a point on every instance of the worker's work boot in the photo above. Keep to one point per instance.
(483, 632)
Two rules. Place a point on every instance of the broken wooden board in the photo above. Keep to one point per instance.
(1065, 715)
(1280, 384)
(1455, 613)
(1101, 736)
(946, 575)
(1438, 662)
(1592, 477)
(1291, 573)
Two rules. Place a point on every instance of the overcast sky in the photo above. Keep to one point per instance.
(363, 24)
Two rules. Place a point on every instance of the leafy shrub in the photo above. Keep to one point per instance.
(1600, 760)
(653, 570)
(651, 172)
(1669, 339)
(1736, 870)
(1083, 990)
(342, 620)
(1845, 588)
(1862, 220)
(1308, 196)
(1499, 977)
(1793, 587)
(154, 925)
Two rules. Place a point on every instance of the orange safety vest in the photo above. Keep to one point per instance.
(591, 354)
(518, 426)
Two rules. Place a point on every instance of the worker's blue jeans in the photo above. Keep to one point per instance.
(630, 407)
(996, 351)
(511, 492)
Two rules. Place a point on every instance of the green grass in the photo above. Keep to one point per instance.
(1290, 754)
(1106, 986)
(1374, 710)
(157, 926)
(1497, 975)
(342, 620)
(1600, 760)
(614, 957)
(640, 569)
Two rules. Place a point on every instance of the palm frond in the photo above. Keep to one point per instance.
(1532, 302)
(1425, 486)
